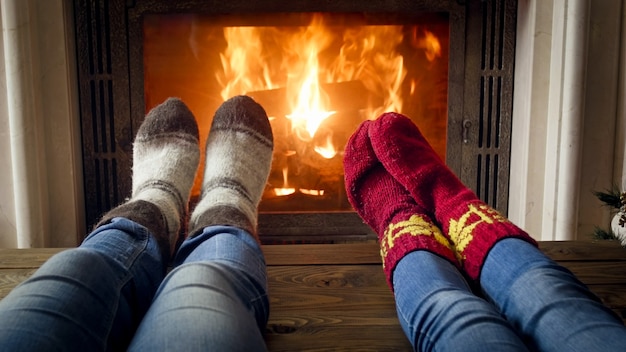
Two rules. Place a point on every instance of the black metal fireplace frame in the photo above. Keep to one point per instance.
(480, 91)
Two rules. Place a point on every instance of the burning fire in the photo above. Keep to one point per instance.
(290, 71)
(328, 151)
(309, 104)
(429, 43)
(284, 191)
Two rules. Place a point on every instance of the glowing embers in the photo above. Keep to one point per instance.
(285, 190)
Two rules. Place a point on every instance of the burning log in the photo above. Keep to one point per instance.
(350, 96)
(311, 158)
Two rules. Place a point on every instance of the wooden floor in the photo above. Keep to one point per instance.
(334, 297)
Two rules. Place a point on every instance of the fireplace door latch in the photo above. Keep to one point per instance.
(466, 127)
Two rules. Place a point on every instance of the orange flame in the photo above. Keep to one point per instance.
(252, 62)
(429, 43)
(300, 60)
(309, 103)
(327, 151)
(309, 113)
(370, 55)
(244, 67)
(284, 191)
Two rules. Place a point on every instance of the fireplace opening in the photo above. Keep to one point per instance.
(132, 55)
(318, 76)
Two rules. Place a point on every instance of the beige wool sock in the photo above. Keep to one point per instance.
(165, 160)
(238, 160)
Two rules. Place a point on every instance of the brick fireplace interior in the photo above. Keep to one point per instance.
(446, 64)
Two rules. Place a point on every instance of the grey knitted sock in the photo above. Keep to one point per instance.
(238, 160)
(165, 161)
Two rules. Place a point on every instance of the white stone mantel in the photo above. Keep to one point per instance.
(557, 118)
(40, 164)
(568, 120)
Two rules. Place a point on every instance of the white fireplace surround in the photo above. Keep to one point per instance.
(569, 120)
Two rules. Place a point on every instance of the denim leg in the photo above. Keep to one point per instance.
(552, 309)
(88, 298)
(215, 298)
(439, 312)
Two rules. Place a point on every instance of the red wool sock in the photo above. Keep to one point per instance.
(472, 225)
(387, 207)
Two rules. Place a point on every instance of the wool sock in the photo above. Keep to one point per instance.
(472, 225)
(165, 161)
(237, 165)
(386, 206)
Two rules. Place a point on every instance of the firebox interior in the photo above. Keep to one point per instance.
(318, 76)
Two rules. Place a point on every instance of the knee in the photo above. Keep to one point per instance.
(199, 274)
(215, 283)
(77, 261)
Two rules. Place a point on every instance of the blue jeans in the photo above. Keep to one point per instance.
(526, 302)
(112, 293)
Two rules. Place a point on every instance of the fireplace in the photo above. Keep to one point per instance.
(455, 81)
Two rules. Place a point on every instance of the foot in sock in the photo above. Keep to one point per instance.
(238, 160)
(165, 161)
(386, 206)
(472, 225)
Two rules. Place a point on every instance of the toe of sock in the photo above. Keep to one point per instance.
(392, 129)
(242, 110)
(359, 157)
(170, 116)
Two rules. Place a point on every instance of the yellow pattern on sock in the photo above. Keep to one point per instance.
(416, 225)
(461, 231)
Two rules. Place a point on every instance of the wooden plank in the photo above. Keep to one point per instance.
(613, 296)
(329, 287)
(583, 250)
(305, 254)
(368, 253)
(329, 276)
(357, 253)
(300, 254)
(9, 278)
(598, 273)
(330, 308)
(25, 258)
(293, 321)
(340, 338)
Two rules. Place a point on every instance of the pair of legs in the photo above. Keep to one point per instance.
(463, 276)
(113, 292)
